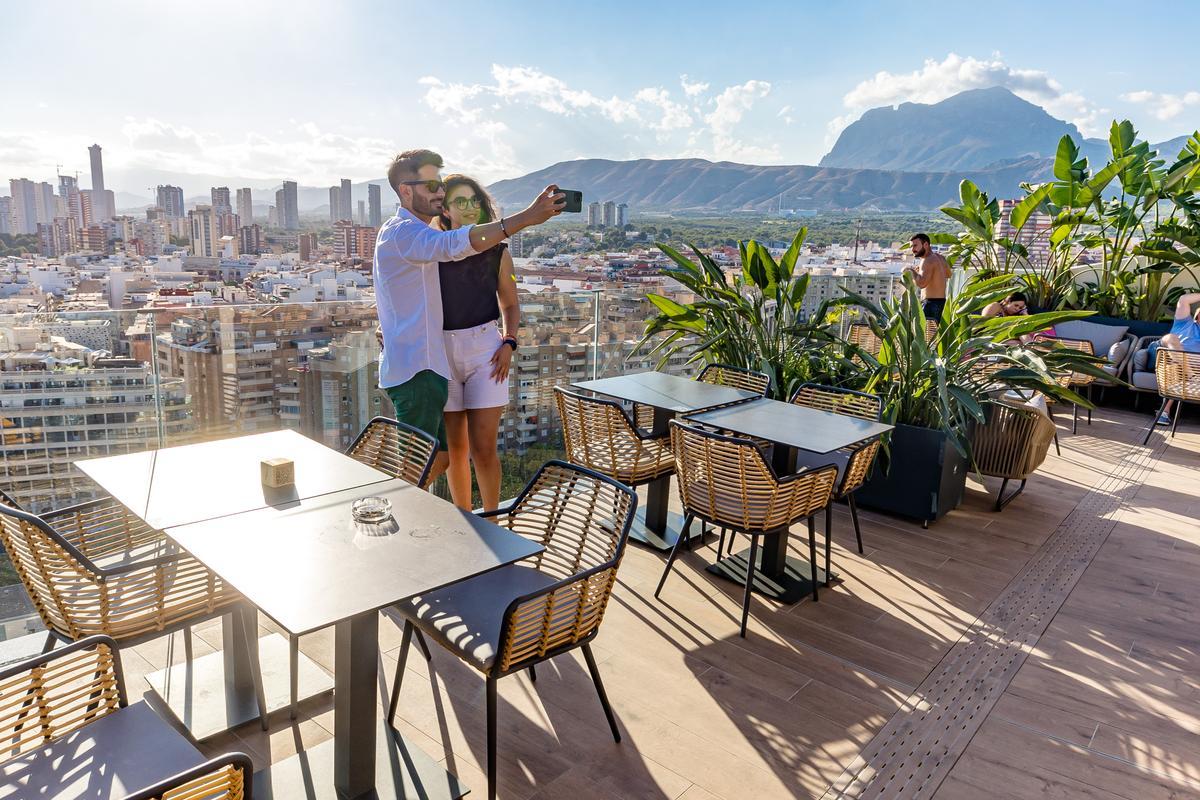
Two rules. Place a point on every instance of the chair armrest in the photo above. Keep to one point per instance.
(132, 567)
(498, 511)
(53, 694)
(227, 775)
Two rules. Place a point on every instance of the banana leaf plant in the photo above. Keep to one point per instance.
(943, 384)
(755, 320)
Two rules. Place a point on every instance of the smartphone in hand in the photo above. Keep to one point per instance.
(574, 204)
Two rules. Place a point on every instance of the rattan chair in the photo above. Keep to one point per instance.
(861, 335)
(96, 568)
(395, 448)
(727, 481)
(517, 616)
(855, 462)
(718, 375)
(599, 434)
(65, 716)
(1011, 445)
(1178, 376)
(226, 777)
(1073, 380)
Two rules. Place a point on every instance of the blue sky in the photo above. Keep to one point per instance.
(317, 91)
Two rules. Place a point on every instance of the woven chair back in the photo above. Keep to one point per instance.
(1013, 443)
(51, 574)
(51, 696)
(582, 519)
(863, 337)
(1178, 374)
(398, 449)
(839, 401)
(745, 379)
(727, 481)
(598, 434)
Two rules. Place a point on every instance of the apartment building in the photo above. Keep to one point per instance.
(62, 402)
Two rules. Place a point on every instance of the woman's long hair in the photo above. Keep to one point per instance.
(487, 207)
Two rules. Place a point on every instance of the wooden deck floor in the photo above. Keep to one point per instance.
(1106, 702)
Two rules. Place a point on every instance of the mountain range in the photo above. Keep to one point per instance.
(911, 157)
(908, 157)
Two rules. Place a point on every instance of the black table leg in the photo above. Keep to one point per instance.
(355, 672)
(655, 525)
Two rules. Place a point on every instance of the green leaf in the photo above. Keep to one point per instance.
(1030, 203)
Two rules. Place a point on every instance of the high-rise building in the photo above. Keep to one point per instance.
(152, 236)
(306, 245)
(347, 202)
(273, 213)
(24, 205)
(1034, 236)
(170, 200)
(594, 217)
(361, 218)
(622, 215)
(335, 204)
(610, 214)
(245, 207)
(222, 205)
(221, 201)
(6, 215)
(68, 190)
(288, 206)
(102, 207)
(47, 206)
(206, 233)
(57, 411)
(354, 241)
(58, 238)
(250, 239)
(374, 206)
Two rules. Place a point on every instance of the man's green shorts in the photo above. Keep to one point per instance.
(420, 402)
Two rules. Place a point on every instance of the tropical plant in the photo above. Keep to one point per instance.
(943, 384)
(755, 321)
(1127, 212)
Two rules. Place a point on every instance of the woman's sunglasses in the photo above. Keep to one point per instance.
(433, 186)
(466, 203)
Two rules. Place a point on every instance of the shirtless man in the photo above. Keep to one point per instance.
(1184, 335)
(931, 276)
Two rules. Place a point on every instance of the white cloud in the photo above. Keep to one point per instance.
(692, 89)
(1164, 106)
(673, 115)
(730, 106)
(937, 80)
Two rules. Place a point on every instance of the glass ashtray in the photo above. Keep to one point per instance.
(371, 509)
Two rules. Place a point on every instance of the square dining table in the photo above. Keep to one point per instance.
(668, 395)
(791, 428)
(310, 565)
(192, 483)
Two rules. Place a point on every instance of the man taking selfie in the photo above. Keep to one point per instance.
(413, 368)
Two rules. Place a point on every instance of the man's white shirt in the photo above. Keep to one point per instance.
(408, 295)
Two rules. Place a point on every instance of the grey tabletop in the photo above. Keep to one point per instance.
(310, 565)
(190, 483)
(792, 425)
(669, 392)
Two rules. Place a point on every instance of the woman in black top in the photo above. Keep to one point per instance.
(476, 292)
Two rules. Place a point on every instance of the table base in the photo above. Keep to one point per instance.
(793, 586)
(639, 533)
(402, 772)
(201, 698)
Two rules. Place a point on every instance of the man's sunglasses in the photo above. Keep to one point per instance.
(464, 203)
(432, 186)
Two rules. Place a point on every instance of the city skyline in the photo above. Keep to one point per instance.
(625, 91)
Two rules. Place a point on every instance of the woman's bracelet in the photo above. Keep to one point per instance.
(503, 229)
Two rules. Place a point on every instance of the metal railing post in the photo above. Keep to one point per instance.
(158, 399)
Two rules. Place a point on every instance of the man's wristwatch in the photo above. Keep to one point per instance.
(511, 342)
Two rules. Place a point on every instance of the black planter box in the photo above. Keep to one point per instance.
(924, 479)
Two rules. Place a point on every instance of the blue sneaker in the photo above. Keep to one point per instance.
(1163, 419)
